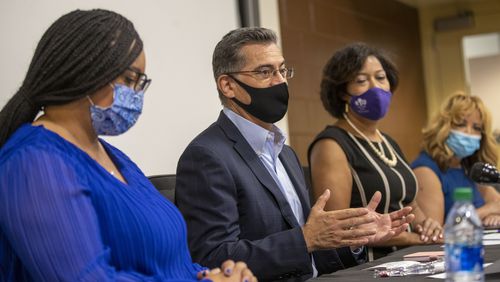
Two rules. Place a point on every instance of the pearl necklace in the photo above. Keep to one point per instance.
(380, 153)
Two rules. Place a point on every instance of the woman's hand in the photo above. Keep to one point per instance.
(491, 220)
(229, 272)
(490, 208)
(430, 230)
(386, 225)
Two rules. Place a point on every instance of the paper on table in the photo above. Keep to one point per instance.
(491, 239)
(393, 264)
(424, 256)
(491, 236)
(443, 275)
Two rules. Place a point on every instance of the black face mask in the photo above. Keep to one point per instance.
(268, 104)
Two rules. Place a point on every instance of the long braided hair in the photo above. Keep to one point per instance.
(79, 53)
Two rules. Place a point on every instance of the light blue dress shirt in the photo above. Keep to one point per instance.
(268, 145)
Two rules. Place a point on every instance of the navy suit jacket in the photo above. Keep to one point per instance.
(235, 210)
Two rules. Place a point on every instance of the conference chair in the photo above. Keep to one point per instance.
(165, 183)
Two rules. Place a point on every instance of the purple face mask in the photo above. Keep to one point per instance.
(373, 104)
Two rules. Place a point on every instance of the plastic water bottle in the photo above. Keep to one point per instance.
(463, 240)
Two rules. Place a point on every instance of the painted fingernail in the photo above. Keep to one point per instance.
(204, 273)
(227, 271)
(434, 238)
(246, 279)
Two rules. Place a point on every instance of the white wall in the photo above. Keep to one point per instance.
(481, 45)
(179, 37)
(484, 83)
(482, 67)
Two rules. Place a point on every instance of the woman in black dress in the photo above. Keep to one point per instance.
(352, 157)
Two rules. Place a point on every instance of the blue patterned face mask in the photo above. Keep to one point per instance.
(121, 115)
(463, 145)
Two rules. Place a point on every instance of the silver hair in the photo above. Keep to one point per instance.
(227, 57)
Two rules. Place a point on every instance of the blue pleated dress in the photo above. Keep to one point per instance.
(63, 217)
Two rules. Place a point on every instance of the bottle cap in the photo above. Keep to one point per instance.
(462, 193)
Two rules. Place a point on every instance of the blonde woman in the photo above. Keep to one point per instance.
(458, 136)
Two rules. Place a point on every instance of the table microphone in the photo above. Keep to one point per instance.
(484, 173)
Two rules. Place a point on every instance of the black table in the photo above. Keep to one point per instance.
(360, 274)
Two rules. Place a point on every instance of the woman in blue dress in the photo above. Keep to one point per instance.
(73, 207)
(459, 136)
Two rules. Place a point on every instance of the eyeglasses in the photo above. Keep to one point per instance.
(140, 82)
(266, 74)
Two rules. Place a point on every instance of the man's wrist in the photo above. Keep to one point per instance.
(305, 233)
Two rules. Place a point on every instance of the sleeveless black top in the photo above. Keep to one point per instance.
(397, 184)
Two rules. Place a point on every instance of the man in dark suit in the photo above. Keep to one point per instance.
(242, 191)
